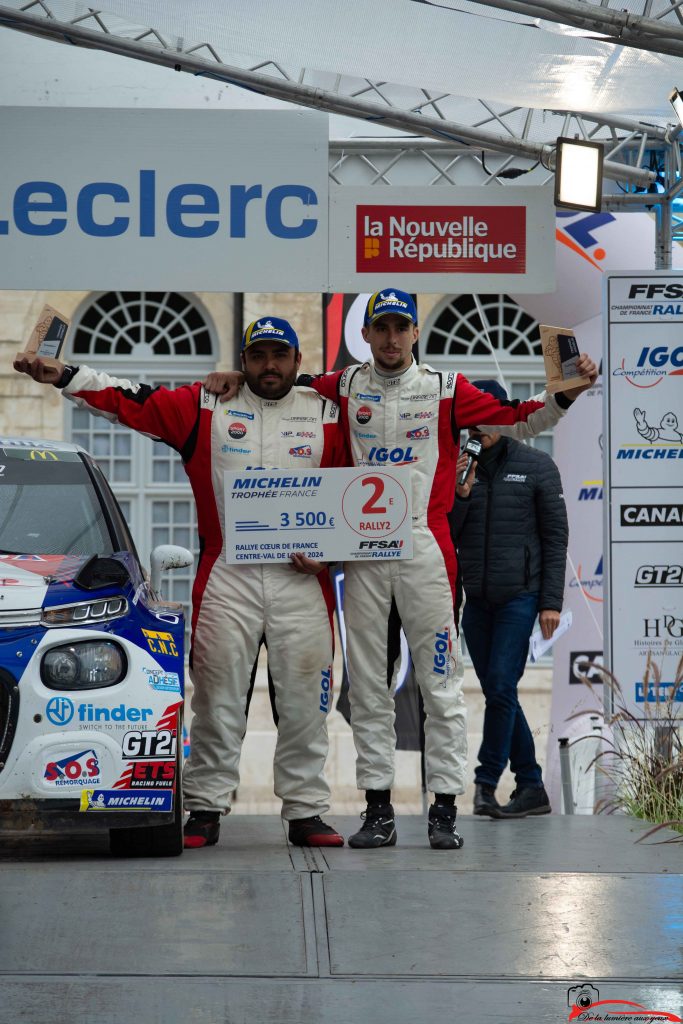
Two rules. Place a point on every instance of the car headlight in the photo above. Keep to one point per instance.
(84, 665)
(85, 612)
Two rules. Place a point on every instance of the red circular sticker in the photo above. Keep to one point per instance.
(364, 414)
(237, 431)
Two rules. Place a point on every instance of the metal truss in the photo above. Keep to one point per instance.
(658, 26)
(446, 139)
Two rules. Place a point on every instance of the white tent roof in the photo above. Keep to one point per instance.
(463, 49)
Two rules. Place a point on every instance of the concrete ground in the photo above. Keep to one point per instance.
(253, 931)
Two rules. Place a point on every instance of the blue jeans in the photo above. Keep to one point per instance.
(498, 641)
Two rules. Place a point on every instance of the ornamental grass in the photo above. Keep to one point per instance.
(641, 761)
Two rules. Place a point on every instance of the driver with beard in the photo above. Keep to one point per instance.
(236, 606)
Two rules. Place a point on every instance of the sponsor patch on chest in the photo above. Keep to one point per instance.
(515, 478)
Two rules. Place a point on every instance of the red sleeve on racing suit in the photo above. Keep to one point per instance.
(335, 449)
(170, 416)
(472, 407)
(326, 384)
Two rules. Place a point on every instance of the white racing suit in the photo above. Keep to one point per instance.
(416, 419)
(234, 606)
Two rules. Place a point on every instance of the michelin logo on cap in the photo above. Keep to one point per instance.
(270, 328)
(390, 301)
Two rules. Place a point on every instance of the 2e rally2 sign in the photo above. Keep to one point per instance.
(325, 514)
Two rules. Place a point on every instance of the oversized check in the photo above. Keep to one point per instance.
(329, 514)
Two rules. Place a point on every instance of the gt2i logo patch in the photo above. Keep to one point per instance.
(145, 743)
(160, 643)
(442, 653)
(326, 689)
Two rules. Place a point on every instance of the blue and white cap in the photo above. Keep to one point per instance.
(391, 300)
(270, 328)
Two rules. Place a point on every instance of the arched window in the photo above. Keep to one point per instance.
(455, 335)
(142, 325)
(159, 338)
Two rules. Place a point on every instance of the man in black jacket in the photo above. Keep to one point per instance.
(510, 525)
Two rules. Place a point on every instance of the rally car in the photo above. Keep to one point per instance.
(91, 660)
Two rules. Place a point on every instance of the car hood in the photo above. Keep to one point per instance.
(24, 579)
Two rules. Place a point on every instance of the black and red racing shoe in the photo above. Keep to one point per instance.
(313, 832)
(201, 829)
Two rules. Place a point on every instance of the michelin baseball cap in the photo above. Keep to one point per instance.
(270, 328)
(391, 300)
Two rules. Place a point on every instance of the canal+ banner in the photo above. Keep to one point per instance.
(204, 200)
(234, 201)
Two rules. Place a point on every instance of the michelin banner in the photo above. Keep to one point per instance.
(588, 246)
(644, 522)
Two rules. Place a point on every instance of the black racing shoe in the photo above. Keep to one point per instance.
(201, 829)
(485, 802)
(441, 829)
(525, 801)
(313, 832)
(378, 828)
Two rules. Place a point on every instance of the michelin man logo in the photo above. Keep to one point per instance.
(666, 431)
(261, 325)
(388, 298)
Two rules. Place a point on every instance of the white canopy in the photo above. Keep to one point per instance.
(464, 50)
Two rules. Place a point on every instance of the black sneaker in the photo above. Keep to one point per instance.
(201, 829)
(378, 828)
(525, 801)
(313, 832)
(441, 829)
(485, 802)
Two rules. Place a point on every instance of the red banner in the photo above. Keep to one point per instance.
(441, 239)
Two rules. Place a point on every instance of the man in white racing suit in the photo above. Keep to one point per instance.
(270, 427)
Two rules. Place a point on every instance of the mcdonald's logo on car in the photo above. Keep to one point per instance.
(37, 453)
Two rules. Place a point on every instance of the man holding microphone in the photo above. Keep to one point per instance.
(510, 527)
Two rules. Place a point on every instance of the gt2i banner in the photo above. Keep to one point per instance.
(495, 239)
(644, 513)
(163, 199)
(332, 515)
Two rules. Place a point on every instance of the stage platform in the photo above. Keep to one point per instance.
(254, 930)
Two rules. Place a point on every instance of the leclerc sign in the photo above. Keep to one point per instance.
(163, 199)
(443, 238)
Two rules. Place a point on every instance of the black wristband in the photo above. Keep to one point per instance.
(563, 401)
(68, 373)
